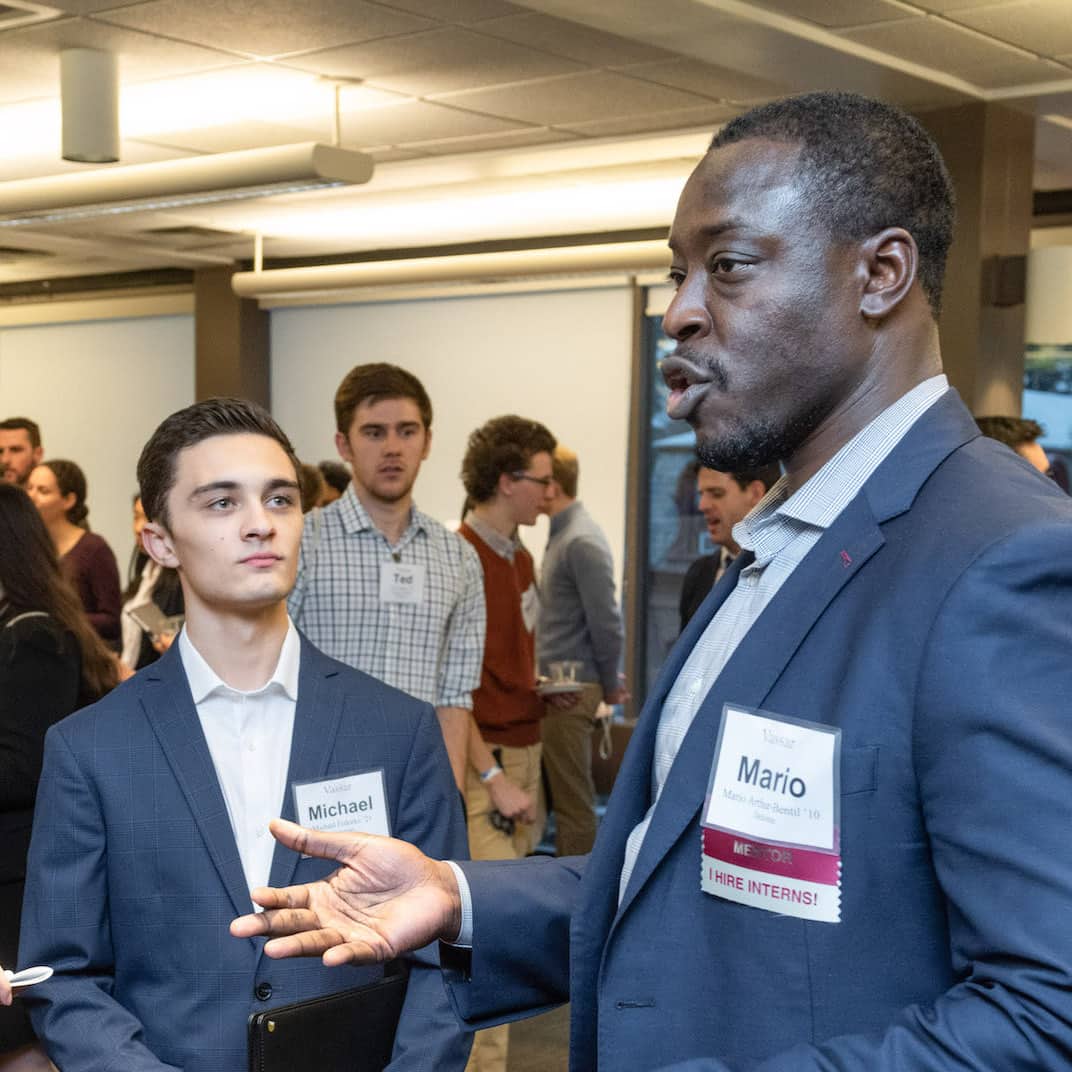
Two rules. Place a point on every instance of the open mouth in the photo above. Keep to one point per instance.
(688, 384)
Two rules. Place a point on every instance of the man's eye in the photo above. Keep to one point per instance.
(725, 266)
(221, 504)
(281, 500)
(675, 277)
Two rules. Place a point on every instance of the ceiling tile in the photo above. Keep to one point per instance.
(706, 79)
(575, 99)
(266, 27)
(710, 115)
(130, 152)
(415, 121)
(458, 11)
(436, 61)
(29, 58)
(952, 50)
(941, 7)
(1043, 26)
(839, 13)
(234, 137)
(511, 139)
(571, 39)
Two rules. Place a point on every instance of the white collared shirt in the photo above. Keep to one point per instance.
(249, 736)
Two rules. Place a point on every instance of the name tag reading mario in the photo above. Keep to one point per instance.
(770, 828)
(345, 803)
(402, 582)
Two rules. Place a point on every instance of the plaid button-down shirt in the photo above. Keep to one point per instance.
(432, 649)
(780, 531)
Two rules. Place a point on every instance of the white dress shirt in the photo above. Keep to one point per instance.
(248, 735)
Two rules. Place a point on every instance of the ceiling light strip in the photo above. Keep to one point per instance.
(172, 183)
(472, 268)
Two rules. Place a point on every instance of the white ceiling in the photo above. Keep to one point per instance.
(488, 119)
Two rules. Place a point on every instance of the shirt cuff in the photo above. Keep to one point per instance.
(465, 935)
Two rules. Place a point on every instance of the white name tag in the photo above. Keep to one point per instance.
(530, 607)
(401, 582)
(770, 830)
(345, 803)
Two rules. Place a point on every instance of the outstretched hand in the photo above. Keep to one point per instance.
(387, 898)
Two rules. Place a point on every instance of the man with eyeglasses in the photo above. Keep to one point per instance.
(507, 476)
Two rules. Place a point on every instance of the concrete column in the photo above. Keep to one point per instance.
(989, 149)
(231, 340)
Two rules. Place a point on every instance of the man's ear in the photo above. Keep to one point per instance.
(890, 262)
(427, 444)
(37, 454)
(506, 484)
(756, 491)
(157, 543)
(342, 445)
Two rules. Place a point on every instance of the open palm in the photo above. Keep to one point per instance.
(387, 898)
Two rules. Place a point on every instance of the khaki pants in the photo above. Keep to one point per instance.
(521, 766)
(567, 761)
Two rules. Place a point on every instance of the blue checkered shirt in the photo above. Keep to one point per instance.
(780, 531)
(433, 649)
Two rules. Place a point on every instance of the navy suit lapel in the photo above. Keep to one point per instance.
(316, 724)
(169, 706)
(771, 643)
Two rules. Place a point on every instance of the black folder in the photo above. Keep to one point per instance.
(352, 1031)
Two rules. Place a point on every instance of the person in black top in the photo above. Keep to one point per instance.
(51, 663)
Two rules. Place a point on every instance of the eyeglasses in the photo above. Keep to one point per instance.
(543, 481)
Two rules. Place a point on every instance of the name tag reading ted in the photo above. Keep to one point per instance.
(770, 827)
(402, 582)
(344, 803)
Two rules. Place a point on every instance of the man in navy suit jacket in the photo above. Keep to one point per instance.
(152, 812)
(906, 584)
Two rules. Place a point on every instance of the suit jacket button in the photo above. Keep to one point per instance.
(263, 991)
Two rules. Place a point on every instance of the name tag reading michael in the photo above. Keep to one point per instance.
(771, 818)
(402, 582)
(345, 803)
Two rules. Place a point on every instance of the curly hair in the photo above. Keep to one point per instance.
(502, 445)
(866, 166)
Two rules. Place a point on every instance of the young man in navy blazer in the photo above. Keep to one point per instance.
(152, 812)
(906, 584)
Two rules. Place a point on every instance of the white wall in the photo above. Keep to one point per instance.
(98, 390)
(1049, 295)
(562, 358)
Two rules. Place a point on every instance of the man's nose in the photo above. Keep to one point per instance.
(687, 314)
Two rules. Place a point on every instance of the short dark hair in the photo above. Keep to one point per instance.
(23, 424)
(374, 383)
(71, 481)
(502, 445)
(336, 475)
(190, 426)
(767, 475)
(310, 485)
(1012, 431)
(867, 165)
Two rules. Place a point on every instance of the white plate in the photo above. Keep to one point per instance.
(28, 976)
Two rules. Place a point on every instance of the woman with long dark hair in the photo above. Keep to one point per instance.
(51, 663)
(58, 489)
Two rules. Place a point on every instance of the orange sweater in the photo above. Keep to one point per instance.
(506, 706)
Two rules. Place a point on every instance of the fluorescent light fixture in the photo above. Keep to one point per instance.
(468, 268)
(284, 169)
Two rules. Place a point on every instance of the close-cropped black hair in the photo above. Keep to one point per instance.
(188, 427)
(866, 166)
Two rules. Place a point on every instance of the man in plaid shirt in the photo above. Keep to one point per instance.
(381, 586)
